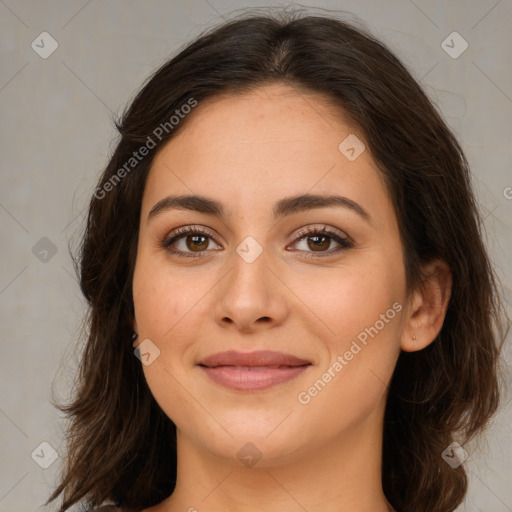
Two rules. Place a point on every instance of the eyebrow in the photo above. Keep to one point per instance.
(282, 208)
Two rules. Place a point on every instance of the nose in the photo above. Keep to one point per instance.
(252, 297)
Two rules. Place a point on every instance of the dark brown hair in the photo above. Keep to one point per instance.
(120, 443)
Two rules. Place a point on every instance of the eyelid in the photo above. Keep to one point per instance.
(182, 231)
(341, 238)
(313, 229)
(345, 242)
(192, 228)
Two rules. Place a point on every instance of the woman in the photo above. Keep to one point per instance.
(291, 303)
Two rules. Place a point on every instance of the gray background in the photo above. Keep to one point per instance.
(57, 135)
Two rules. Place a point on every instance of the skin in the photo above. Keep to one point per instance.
(248, 151)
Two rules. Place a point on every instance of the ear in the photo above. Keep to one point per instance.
(428, 307)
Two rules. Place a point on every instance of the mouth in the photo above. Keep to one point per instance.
(253, 371)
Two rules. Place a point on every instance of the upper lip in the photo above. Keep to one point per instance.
(258, 358)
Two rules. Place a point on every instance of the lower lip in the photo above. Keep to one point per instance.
(243, 379)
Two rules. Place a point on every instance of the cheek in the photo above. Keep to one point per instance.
(162, 298)
(164, 306)
(361, 309)
(365, 310)
(349, 299)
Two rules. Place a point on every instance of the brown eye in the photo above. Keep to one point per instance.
(194, 242)
(318, 240)
(188, 242)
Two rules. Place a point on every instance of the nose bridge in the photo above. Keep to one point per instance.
(251, 252)
(250, 273)
(250, 291)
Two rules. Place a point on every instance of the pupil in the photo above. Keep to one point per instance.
(317, 238)
(196, 241)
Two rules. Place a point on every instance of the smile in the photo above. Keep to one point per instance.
(253, 371)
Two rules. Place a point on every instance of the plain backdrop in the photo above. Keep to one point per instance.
(57, 135)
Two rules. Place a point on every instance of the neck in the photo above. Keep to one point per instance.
(340, 475)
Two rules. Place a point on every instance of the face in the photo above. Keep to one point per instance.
(324, 283)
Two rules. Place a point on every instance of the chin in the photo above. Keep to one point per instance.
(270, 436)
(253, 450)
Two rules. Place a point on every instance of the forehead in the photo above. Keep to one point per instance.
(263, 145)
(278, 116)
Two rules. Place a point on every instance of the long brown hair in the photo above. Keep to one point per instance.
(120, 443)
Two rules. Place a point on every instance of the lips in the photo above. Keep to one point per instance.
(260, 358)
(252, 371)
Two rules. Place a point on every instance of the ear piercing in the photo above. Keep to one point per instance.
(134, 336)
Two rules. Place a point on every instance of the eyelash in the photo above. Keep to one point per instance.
(345, 243)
